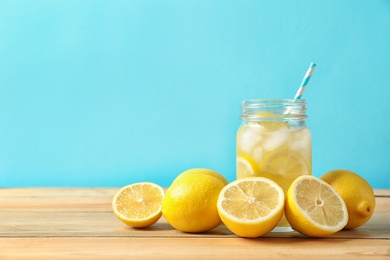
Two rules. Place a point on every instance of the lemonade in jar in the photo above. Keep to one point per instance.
(273, 141)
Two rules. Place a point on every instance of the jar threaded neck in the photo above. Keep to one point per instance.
(273, 109)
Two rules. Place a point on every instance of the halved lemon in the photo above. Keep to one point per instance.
(314, 208)
(138, 204)
(251, 207)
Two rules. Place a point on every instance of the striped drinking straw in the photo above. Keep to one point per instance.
(305, 80)
(304, 83)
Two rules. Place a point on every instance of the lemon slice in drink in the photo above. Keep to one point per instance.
(314, 208)
(245, 167)
(283, 166)
(284, 162)
(138, 204)
(251, 207)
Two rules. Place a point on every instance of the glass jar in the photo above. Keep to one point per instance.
(273, 141)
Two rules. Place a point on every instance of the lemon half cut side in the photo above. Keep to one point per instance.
(138, 204)
(314, 208)
(251, 207)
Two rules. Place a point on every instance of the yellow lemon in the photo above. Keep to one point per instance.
(251, 207)
(203, 171)
(138, 204)
(314, 208)
(190, 203)
(245, 167)
(357, 194)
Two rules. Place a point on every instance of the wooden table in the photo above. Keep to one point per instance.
(77, 223)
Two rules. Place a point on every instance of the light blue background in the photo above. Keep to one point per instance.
(106, 93)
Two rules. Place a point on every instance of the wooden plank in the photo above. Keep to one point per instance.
(382, 193)
(57, 199)
(78, 223)
(76, 212)
(73, 198)
(105, 224)
(192, 248)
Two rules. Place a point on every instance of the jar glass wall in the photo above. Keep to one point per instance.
(273, 141)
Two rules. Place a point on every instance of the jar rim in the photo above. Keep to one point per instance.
(281, 108)
(268, 101)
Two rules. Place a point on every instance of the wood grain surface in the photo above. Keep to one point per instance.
(78, 223)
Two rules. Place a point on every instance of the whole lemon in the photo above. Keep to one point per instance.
(357, 194)
(190, 203)
(202, 171)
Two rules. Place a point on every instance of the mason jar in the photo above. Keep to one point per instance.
(273, 141)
